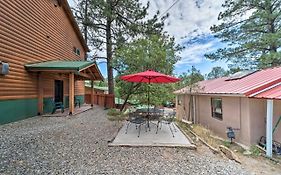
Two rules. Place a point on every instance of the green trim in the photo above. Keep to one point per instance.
(59, 65)
(66, 101)
(14, 110)
(48, 105)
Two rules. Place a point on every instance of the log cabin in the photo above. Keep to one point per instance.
(42, 58)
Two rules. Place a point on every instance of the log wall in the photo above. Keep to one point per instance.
(34, 31)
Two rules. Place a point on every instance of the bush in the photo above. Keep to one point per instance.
(113, 112)
(115, 115)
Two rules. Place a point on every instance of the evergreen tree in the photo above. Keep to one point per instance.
(252, 31)
(158, 53)
(216, 72)
(111, 23)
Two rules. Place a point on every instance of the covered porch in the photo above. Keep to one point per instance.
(272, 96)
(58, 80)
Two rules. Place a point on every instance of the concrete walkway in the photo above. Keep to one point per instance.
(164, 137)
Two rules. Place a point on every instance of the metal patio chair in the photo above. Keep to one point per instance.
(136, 119)
(169, 120)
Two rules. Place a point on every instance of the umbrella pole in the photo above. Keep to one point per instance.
(148, 97)
(148, 116)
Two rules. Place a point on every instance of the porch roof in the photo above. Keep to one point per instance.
(85, 69)
(272, 92)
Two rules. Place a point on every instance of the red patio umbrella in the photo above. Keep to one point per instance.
(149, 76)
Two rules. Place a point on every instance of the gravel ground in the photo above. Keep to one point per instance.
(79, 145)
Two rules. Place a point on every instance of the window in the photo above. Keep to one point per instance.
(216, 104)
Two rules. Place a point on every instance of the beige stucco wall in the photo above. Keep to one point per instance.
(246, 114)
(235, 110)
(182, 106)
(258, 119)
(233, 113)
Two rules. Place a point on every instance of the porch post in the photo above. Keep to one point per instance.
(71, 93)
(40, 93)
(269, 116)
(92, 93)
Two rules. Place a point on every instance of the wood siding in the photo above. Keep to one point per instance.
(35, 31)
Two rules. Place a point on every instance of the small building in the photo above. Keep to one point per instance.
(247, 101)
(42, 58)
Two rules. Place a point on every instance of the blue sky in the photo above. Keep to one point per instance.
(189, 22)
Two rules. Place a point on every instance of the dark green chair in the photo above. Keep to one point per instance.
(57, 105)
(77, 102)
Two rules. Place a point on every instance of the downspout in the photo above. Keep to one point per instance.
(240, 113)
(194, 115)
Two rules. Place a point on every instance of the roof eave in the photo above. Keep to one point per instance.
(214, 94)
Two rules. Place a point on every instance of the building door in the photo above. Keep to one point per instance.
(58, 91)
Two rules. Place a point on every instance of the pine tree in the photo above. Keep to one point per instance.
(252, 31)
(216, 72)
(112, 23)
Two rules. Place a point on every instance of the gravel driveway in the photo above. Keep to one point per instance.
(78, 145)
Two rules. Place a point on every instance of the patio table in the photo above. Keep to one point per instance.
(149, 115)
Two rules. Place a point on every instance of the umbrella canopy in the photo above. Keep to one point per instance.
(149, 76)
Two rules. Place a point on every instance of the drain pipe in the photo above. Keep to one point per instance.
(194, 115)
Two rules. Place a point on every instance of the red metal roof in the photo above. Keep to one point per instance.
(272, 92)
(260, 81)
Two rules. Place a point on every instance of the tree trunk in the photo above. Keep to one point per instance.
(129, 94)
(109, 52)
(125, 102)
(86, 25)
(273, 46)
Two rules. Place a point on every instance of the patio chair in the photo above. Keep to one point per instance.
(136, 119)
(156, 115)
(57, 105)
(77, 102)
(169, 119)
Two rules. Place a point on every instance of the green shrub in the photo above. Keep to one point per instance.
(113, 112)
(116, 115)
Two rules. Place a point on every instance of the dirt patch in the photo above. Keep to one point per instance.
(254, 162)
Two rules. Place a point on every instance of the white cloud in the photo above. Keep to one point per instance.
(194, 53)
(189, 18)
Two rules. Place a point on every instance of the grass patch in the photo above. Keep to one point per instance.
(255, 151)
(116, 115)
(114, 112)
(227, 143)
(208, 136)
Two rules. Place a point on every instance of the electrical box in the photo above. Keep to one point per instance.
(4, 68)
